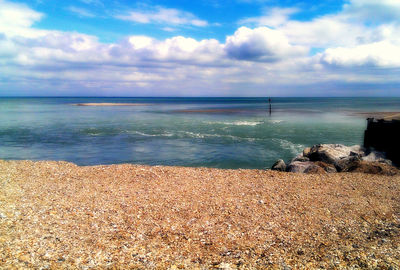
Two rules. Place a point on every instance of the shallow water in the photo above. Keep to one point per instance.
(211, 132)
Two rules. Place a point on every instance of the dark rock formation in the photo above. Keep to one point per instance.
(383, 136)
(344, 163)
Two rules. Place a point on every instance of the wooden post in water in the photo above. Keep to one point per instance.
(270, 106)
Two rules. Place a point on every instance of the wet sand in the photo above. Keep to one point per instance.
(59, 215)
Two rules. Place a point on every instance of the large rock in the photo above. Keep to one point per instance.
(298, 166)
(306, 151)
(345, 163)
(279, 165)
(329, 168)
(331, 153)
(372, 168)
(300, 158)
(375, 156)
(315, 169)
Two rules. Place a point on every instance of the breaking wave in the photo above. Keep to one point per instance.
(294, 148)
(238, 123)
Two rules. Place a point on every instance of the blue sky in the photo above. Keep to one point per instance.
(100, 18)
(200, 48)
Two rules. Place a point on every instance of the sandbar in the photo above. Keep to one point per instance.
(59, 215)
(111, 104)
(210, 111)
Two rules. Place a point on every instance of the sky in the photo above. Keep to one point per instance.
(200, 48)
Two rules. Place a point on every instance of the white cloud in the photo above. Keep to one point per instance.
(17, 15)
(350, 27)
(81, 12)
(160, 15)
(250, 61)
(93, 2)
(365, 32)
(273, 17)
(373, 10)
(169, 29)
(260, 44)
(380, 54)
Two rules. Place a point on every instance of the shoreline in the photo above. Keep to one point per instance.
(60, 215)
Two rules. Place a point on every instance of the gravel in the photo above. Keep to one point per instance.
(59, 215)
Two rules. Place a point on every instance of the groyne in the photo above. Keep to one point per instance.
(383, 135)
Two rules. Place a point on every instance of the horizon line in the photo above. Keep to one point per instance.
(199, 97)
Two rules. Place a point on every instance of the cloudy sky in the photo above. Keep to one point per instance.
(200, 48)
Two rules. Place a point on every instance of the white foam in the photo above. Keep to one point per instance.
(276, 121)
(152, 135)
(206, 135)
(238, 123)
(295, 148)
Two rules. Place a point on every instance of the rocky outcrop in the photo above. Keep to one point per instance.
(331, 158)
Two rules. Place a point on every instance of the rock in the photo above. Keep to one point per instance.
(314, 169)
(306, 151)
(344, 163)
(372, 168)
(375, 156)
(329, 168)
(279, 165)
(298, 166)
(358, 149)
(300, 158)
(331, 153)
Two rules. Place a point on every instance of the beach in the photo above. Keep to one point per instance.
(60, 215)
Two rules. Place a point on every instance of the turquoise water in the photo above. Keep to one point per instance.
(210, 132)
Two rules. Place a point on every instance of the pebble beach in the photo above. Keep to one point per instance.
(60, 215)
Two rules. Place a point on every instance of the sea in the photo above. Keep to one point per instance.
(197, 132)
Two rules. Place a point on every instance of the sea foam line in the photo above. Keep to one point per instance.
(238, 123)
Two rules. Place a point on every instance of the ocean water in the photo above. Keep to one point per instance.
(207, 132)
